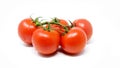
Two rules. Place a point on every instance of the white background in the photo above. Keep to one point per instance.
(102, 51)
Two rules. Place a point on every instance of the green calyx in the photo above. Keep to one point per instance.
(36, 21)
(55, 20)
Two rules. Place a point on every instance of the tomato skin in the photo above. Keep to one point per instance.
(74, 41)
(63, 22)
(85, 25)
(45, 42)
(59, 28)
(26, 29)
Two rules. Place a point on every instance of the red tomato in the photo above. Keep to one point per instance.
(26, 29)
(85, 25)
(63, 22)
(45, 42)
(74, 41)
(59, 28)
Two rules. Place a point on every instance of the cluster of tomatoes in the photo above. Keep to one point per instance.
(47, 36)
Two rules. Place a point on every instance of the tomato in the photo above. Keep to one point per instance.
(26, 29)
(45, 42)
(63, 22)
(85, 25)
(74, 41)
(59, 28)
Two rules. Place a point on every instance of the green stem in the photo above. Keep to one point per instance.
(32, 19)
(71, 24)
(54, 21)
(65, 27)
(36, 21)
(48, 27)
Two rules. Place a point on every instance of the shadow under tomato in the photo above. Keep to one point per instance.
(69, 54)
(28, 45)
(89, 41)
(48, 55)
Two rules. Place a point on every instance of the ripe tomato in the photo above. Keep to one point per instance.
(85, 25)
(26, 29)
(63, 22)
(74, 41)
(45, 42)
(59, 28)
